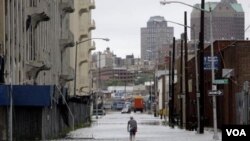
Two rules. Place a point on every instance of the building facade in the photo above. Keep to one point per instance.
(227, 14)
(232, 104)
(103, 59)
(117, 74)
(38, 35)
(34, 38)
(155, 36)
(81, 25)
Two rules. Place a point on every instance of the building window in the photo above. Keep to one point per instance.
(33, 3)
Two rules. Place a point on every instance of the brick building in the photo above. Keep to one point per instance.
(232, 54)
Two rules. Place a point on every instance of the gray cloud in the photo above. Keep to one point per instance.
(121, 20)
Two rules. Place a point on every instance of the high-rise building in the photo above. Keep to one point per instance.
(154, 37)
(227, 20)
(129, 60)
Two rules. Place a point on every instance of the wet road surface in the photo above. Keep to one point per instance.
(113, 127)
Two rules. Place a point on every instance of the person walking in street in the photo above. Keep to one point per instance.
(132, 128)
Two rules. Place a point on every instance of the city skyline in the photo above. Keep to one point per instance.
(119, 21)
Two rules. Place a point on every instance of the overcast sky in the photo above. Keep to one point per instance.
(121, 21)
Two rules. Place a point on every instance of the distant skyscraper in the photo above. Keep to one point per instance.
(154, 37)
(227, 20)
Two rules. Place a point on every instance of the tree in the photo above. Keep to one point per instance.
(142, 78)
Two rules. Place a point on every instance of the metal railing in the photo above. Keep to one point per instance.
(71, 114)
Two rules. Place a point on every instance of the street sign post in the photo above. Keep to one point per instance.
(220, 81)
(215, 93)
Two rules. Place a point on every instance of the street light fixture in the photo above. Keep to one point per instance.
(77, 43)
(169, 2)
(216, 137)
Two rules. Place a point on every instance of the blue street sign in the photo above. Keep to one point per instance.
(208, 62)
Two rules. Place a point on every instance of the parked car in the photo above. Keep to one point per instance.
(118, 105)
(107, 105)
(126, 110)
(99, 112)
(128, 104)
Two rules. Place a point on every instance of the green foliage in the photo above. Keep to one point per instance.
(142, 78)
(113, 83)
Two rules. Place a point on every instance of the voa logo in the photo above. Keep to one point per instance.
(236, 132)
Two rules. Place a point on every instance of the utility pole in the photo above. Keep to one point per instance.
(197, 84)
(151, 100)
(156, 78)
(186, 97)
(181, 85)
(201, 76)
(166, 94)
(173, 75)
(125, 83)
(100, 86)
(125, 88)
(98, 92)
(169, 91)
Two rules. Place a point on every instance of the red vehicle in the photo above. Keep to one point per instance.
(138, 103)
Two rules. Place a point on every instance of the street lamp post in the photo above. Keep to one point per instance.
(150, 93)
(99, 85)
(214, 87)
(77, 43)
(216, 137)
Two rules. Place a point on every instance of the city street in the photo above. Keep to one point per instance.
(112, 127)
(63, 61)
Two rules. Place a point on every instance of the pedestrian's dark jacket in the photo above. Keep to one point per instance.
(132, 125)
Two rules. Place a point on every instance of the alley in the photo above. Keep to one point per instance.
(112, 127)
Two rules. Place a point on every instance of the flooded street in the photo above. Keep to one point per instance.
(113, 127)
